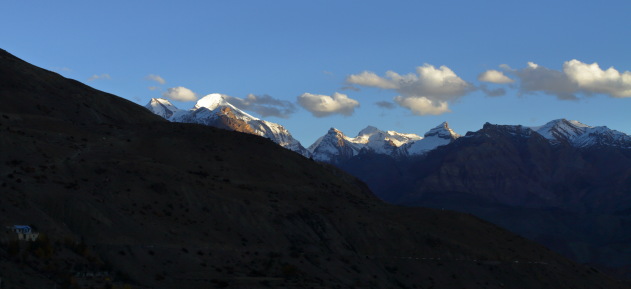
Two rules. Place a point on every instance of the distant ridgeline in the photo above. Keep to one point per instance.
(24, 232)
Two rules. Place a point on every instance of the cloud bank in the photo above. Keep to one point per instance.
(324, 105)
(264, 105)
(590, 78)
(576, 77)
(180, 94)
(428, 92)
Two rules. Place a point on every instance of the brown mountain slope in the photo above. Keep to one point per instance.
(167, 205)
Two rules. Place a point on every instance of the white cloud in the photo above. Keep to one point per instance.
(429, 91)
(368, 78)
(180, 94)
(264, 105)
(590, 78)
(538, 78)
(154, 88)
(576, 77)
(422, 105)
(324, 105)
(494, 76)
(102, 76)
(156, 78)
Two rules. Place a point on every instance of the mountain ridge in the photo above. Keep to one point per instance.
(563, 190)
(215, 110)
(341, 147)
(158, 204)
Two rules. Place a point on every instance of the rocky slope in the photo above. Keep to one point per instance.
(154, 204)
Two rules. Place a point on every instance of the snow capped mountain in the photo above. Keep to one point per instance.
(333, 147)
(581, 135)
(214, 110)
(162, 107)
(383, 142)
(438, 136)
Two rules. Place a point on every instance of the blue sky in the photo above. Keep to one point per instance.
(397, 65)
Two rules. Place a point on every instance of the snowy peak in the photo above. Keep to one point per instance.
(335, 132)
(435, 137)
(372, 134)
(561, 130)
(383, 142)
(218, 102)
(400, 139)
(212, 102)
(162, 107)
(442, 131)
(215, 110)
(581, 135)
(369, 131)
(333, 147)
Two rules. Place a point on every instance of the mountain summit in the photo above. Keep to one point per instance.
(335, 147)
(438, 136)
(162, 107)
(581, 135)
(214, 110)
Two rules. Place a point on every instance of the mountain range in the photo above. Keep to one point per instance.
(335, 147)
(122, 198)
(564, 184)
(565, 178)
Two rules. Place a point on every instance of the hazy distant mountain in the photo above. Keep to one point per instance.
(155, 204)
(214, 110)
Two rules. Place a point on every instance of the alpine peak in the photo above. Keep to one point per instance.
(212, 101)
(579, 134)
(335, 131)
(369, 130)
(443, 131)
(162, 107)
(215, 110)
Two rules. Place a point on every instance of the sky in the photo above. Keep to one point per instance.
(398, 65)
